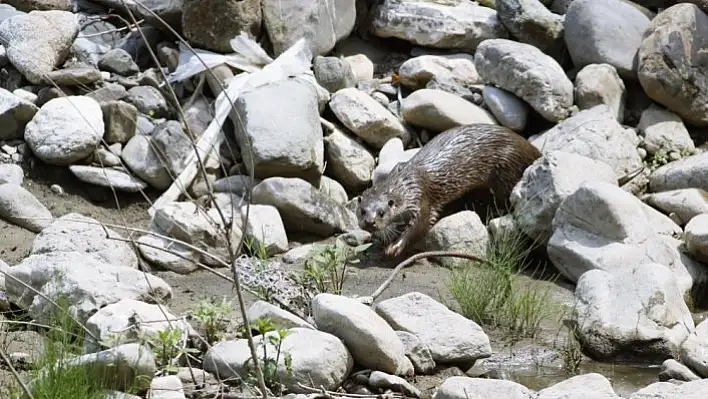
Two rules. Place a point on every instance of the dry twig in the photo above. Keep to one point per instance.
(419, 256)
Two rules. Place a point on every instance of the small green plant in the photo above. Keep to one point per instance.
(527, 310)
(168, 346)
(269, 365)
(480, 292)
(684, 153)
(262, 292)
(255, 248)
(658, 159)
(112, 340)
(486, 294)
(326, 270)
(212, 317)
(571, 352)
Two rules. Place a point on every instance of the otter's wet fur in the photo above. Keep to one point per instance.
(401, 209)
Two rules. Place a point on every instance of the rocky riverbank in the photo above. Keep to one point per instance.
(127, 172)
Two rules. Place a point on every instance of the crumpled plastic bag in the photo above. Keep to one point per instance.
(248, 56)
(259, 68)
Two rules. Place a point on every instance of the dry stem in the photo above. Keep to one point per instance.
(417, 257)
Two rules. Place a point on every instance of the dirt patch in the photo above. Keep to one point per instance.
(95, 202)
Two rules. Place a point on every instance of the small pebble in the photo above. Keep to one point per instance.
(8, 149)
(388, 89)
(642, 153)
(57, 189)
(116, 149)
(26, 94)
(355, 237)
(380, 98)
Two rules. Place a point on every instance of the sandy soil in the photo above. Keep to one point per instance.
(533, 362)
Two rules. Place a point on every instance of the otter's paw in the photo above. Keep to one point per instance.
(394, 249)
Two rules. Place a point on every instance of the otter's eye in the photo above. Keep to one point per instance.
(358, 199)
(381, 213)
(390, 202)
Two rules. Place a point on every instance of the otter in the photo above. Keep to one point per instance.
(458, 161)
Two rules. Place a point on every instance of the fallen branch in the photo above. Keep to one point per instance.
(417, 257)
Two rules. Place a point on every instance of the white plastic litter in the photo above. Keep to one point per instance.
(248, 56)
(259, 69)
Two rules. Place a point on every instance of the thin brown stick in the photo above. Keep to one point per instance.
(244, 218)
(420, 256)
(106, 31)
(347, 395)
(237, 281)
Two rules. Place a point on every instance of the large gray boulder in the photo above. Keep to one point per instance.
(596, 134)
(636, 314)
(527, 72)
(601, 226)
(303, 207)
(39, 41)
(65, 130)
(670, 70)
(447, 25)
(605, 31)
(531, 22)
(212, 24)
(321, 23)
(279, 131)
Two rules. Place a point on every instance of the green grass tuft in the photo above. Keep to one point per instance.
(51, 376)
(486, 293)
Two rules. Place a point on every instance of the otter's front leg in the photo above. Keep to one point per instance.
(420, 225)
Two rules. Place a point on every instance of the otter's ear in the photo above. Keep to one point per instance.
(391, 202)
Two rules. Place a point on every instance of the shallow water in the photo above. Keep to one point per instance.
(538, 363)
(625, 379)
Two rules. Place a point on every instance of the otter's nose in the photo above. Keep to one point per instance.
(367, 224)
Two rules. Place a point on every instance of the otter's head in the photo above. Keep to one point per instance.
(377, 209)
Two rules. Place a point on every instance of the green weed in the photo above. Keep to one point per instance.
(53, 377)
(212, 317)
(270, 364)
(326, 270)
(168, 347)
(486, 294)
